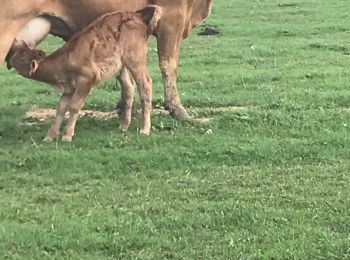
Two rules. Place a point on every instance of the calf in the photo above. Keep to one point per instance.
(114, 44)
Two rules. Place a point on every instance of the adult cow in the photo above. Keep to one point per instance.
(65, 17)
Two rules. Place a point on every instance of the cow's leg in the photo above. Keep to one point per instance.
(8, 30)
(127, 83)
(75, 104)
(169, 37)
(5, 44)
(144, 85)
(127, 98)
(61, 111)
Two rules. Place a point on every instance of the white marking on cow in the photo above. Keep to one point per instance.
(35, 31)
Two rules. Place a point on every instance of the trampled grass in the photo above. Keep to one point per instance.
(267, 182)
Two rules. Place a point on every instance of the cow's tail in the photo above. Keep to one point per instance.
(151, 15)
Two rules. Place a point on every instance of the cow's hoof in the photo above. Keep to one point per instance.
(67, 139)
(48, 139)
(179, 112)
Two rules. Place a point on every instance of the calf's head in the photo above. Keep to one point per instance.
(25, 59)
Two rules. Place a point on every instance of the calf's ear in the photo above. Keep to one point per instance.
(151, 15)
(33, 67)
(19, 45)
(16, 46)
(147, 13)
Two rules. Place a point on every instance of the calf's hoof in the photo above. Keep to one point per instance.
(67, 138)
(48, 139)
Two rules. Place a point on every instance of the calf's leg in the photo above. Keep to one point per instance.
(144, 84)
(61, 111)
(127, 97)
(127, 83)
(75, 104)
(145, 89)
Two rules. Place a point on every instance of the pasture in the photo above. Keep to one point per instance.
(266, 178)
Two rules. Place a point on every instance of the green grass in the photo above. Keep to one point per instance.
(268, 182)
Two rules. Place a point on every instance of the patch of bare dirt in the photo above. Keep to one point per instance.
(43, 114)
(46, 113)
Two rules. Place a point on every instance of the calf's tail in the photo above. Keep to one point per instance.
(151, 15)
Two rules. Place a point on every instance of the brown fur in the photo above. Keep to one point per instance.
(114, 44)
(69, 16)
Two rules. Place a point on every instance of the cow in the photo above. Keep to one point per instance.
(38, 18)
(114, 44)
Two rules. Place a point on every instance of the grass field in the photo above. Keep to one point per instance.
(269, 181)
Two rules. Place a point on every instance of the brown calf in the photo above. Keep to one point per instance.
(114, 44)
